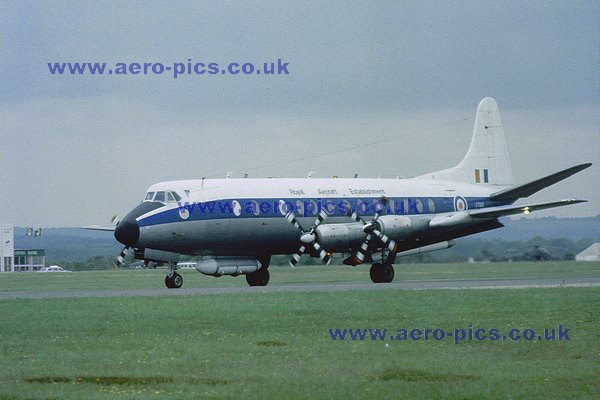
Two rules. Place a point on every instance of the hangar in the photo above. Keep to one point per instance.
(592, 253)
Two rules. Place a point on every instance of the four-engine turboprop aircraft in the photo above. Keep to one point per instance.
(235, 225)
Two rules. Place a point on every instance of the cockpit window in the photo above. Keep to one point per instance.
(160, 196)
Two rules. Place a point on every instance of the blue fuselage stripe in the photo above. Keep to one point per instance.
(307, 207)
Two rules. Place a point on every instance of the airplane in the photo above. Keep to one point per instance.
(235, 225)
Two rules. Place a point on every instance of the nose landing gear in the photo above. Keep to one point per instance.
(173, 280)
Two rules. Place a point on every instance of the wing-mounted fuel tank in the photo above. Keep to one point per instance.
(218, 266)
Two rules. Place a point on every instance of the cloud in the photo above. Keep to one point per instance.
(79, 148)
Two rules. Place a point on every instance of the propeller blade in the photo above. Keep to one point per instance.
(362, 252)
(120, 260)
(296, 257)
(291, 218)
(372, 229)
(320, 218)
(323, 255)
(355, 217)
(308, 238)
(386, 240)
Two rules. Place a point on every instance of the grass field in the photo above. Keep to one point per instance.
(277, 345)
(154, 278)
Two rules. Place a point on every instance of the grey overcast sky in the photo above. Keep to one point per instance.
(407, 76)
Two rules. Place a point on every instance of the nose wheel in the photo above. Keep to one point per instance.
(173, 280)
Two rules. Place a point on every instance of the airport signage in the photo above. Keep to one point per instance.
(33, 252)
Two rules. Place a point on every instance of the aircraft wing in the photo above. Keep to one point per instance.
(465, 217)
(99, 228)
(527, 189)
(525, 209)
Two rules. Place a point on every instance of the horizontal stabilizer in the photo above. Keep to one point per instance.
(527, 189)
(99, 228)
(526, 209)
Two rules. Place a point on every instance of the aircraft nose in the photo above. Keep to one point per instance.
(127, 232)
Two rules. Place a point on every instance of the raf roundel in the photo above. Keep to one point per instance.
(184, 213)
(460, 204)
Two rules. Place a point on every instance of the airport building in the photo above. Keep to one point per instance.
(7, 248)
(12, 260)
(29, 260)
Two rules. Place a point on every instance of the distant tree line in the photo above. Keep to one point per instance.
(478, 250)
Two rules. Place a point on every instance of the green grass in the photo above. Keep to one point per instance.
(277, 345)
(154, 278)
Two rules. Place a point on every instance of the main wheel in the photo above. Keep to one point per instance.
(375, 274)
(382, 273)
(258, 278)
(387, 273)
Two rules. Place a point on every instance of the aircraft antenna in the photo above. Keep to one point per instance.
(354, 148)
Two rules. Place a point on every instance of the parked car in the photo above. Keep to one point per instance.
(187, 265)
(53, 268)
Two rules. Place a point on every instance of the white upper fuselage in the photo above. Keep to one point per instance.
(315, 188)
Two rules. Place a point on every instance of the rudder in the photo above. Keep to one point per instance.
(487, 160)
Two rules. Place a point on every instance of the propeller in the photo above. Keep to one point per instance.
(115, 220)
(120, 260)
(373, 228)
(308, 238)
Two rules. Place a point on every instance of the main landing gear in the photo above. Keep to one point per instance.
(258, 278)
(382, 273)
(261, 276)
(173, 280)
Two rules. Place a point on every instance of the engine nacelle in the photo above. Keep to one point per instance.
(396, 226)
(235, 266)
(340, 237)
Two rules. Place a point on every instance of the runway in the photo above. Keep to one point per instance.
(445, 284)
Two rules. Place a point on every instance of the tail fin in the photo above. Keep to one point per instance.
(487, 161)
